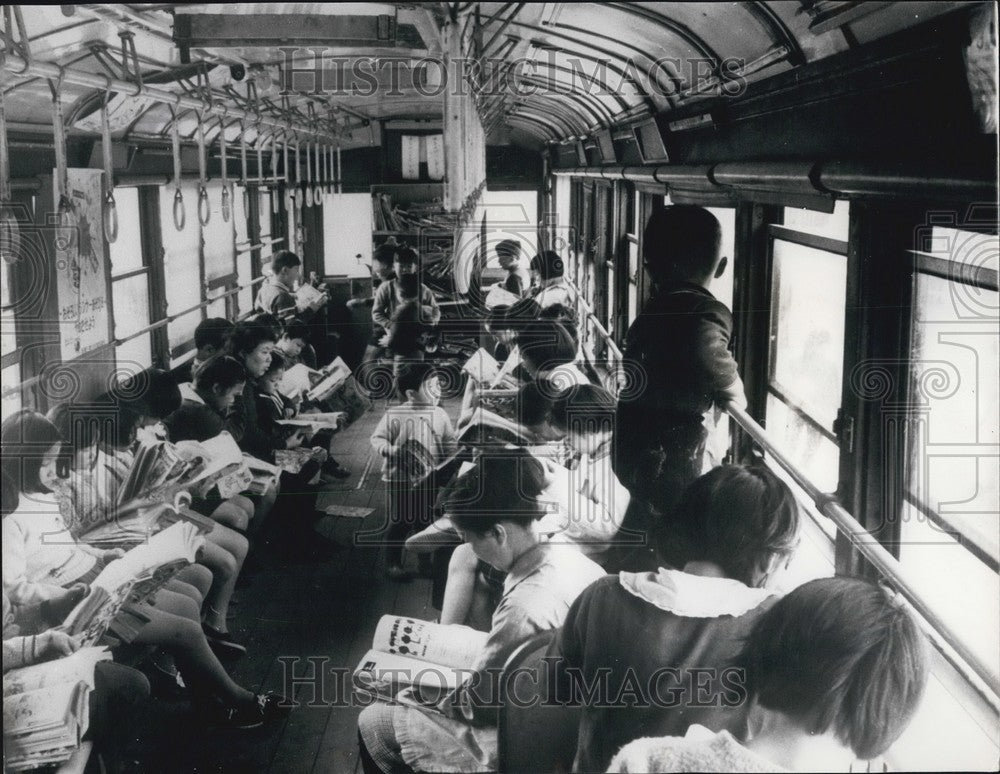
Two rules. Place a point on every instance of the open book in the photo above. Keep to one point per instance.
(315, 422)
(487, 427)
(500, 296)
(264, 474)
(46, 709)
(482, 366)
(134, 522)
(307, 297)
(134, 577)
(488, 372)
(407, 652)
(161, 469)
(312, 384)
(292, 460)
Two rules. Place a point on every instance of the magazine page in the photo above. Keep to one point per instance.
(482, 366)
(384, 675)
(503, 377)
(334, 375)
(75, 668)
(307, 296)
(447, 645)
(296, 380)
(44, 727)
(500, 296)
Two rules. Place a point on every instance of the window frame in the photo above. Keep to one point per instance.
(779, 233)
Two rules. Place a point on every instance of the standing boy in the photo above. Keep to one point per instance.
(412, 439)
(679, 345)
(389, 296)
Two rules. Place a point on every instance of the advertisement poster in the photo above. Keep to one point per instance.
(80, 267)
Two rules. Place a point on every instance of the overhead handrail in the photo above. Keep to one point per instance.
(16, 65)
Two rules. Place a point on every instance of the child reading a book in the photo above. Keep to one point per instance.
(835, 672)
(495, 508)
(273, 407)
(225, 549)
(42, 561)
(412, 439)
(549, 352)
(299, 489)
(388, 297)
(596, 499)
(118, 689)
(218, 385)
(209, 340)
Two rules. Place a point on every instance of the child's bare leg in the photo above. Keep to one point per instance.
(193, 581)
(460, 589)
(174, 626)
(223, 553)
(231, 515)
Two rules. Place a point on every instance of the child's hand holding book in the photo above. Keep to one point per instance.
(54, 644)
(295, 440)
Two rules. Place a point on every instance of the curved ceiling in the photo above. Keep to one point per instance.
(541, 72)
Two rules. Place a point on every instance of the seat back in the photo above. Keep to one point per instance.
(531, 735)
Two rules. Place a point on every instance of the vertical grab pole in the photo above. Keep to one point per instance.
(10, 231)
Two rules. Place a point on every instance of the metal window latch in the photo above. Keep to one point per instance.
(843, 428)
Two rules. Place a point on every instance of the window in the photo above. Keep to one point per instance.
(808, 296)
(10, 378)
(219, 238)
(181, 266)
(130, 285)
(950, 526)
(244, 258)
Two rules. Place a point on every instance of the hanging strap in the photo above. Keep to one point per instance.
(243, 165)
(340, 188)
(175, 143)
(59, 138)
(204, 210)
(318, 186)
(274, 158)
(309, 186)
(226, 195)
(110, 210)
(298, 169)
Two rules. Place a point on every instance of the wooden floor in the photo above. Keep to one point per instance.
(290, 613)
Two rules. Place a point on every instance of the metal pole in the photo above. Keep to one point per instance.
(875, 553)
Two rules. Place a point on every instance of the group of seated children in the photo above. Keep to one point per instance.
(63, 475)
(697, 667)
(686, 660)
